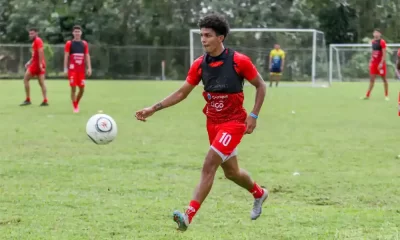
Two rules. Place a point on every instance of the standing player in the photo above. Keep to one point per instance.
(398, 64)
(36, 66)
(222, 72)
(76, 58)
(398, 75)
(377, 65)
(276, 63)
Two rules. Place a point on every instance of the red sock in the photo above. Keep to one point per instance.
(75, 104)
(368, 93)
(192, 209)
(45, 100)
(399, 104)
(28, 99)
(257, 191)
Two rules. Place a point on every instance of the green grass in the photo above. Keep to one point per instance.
(56, 184)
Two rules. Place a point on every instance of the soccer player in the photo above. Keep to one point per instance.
(377, 65)
(222, 72)
(36, 66)
(276, 63)
(76, 58)
(398, 64)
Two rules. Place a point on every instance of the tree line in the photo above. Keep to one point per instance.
(164, 23)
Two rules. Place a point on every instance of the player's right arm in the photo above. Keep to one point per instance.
(383, 46)
(270, 60)
(28, 63)
(398, 64)
(66, 56)
(192, 80)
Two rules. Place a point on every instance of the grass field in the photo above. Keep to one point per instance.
(56, 184)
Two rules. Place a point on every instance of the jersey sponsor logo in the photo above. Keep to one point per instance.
(220, 97)
(219, 106)
(78, 58)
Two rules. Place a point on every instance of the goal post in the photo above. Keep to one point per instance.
(349, 62)
(306, 53)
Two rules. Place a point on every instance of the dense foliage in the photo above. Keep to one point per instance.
(167, 23)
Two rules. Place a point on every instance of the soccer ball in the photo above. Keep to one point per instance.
(101, 129)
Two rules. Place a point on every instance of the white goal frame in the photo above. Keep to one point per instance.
(335, 47)
(292, 30)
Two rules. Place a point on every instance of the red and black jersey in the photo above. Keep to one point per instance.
(223, 78)
(377, 50)
(77, 51)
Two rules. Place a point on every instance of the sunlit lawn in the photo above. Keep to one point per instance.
(56, 184)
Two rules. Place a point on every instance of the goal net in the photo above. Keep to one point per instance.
(306, 54)
(350, 62)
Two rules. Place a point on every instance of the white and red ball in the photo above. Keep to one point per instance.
(101, 129)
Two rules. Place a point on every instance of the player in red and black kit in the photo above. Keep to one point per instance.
(222, 72)
(377, 65)
(76, 58)
(398, 75)
(36, 66)
(398, 64)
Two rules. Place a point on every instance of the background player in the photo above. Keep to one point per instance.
(223, 72)
(276, 63)
(76, 58)
(398, 64)
(377, 65)
(36, 66)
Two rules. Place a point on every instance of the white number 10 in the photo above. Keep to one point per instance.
(225, 139)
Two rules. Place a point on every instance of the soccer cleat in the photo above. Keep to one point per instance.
(76, 109)
(44, 104)
(364, 98)
(386, 98)
(182, 220)
(26, 103)
(257, 206)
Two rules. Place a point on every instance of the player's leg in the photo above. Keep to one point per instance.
(213, 160)
(73, 96)
(210, 166)
(385, 82)
(373, 72)
(271, 79)
(41, 78)
(72, 77)
(278, 78)
(243, 179)
(78, 98)
(227, 137)
(81, 85)
(27, 77)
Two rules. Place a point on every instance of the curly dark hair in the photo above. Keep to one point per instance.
(216, 22)
(77, 27)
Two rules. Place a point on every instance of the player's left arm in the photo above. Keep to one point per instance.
(283, 60)
(67, 48)
(39, 47)
(193, 78)
(88, 60)
(270, 60)
(261, 90)
(398, 64)
(249, 71)
(383, 45)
